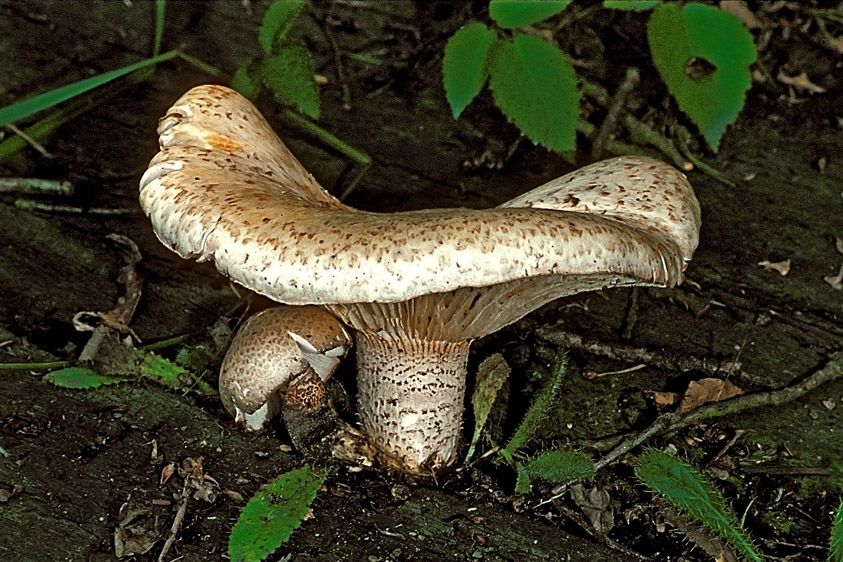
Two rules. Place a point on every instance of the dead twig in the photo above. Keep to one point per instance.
(36, 186)
(670, 421)
(177, 521)
(598, 146)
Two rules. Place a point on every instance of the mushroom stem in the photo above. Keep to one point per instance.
(410, 399)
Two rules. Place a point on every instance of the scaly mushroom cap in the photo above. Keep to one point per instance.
(270, 352)
(224, 188)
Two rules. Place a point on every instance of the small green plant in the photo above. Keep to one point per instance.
(689, 491)
(285, 67)
(534, 85)
(835, 549)
(273, 514)
(556, 466)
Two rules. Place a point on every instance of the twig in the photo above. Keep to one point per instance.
(614, 111)
(36, 185)
(670, 422)
(176, 526)
(28, 205)
(31, 141)
(35, 366)
(624, 352)
(339, 68)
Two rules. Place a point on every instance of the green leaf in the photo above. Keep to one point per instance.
(835, 548)
(630, 5)
(517, 13)
(539, 408)
(705, 32)
(534, 85)
(23, 109)
(558, 466)
(522, 482)
(247, 79)
(289, 74)
(277, 22)
(464, 65)
(79, 377)
(163, 371)
(491, 375)
(692, 493)
(273, 514)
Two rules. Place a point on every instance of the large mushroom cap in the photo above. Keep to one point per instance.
(224, 188)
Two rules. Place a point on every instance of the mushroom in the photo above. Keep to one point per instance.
(416, 287)
(280, 358)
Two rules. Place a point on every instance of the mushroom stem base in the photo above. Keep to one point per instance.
(410, 399)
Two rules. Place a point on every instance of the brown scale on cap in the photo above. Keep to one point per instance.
(224, 188)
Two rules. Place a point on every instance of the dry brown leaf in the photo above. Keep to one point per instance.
(740, 10)
(838, 244)
(800, 82)
(664, 399)
(783, 267)
(836, 282)
(706, 390)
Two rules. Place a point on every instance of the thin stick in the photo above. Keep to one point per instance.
(176, 526)
(36, 185)
(29, 140)
(34, 366)
(611, 120)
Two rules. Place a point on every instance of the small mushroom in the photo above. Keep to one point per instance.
(281, 356)
(417, 287)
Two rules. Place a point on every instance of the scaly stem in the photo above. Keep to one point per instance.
(410, 399)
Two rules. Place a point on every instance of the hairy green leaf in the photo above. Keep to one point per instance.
(289, 74)
(273, 514)
(79, 377)
(277, 22)
(558, 466)
(630, 5)
(247, 79)
(464, 66)
(517, 13)
(539, 408)
(534, 85)
(835, 546)
(162, 370)
(678, 37)
(491, 375)
(522, 482)
(692, 493)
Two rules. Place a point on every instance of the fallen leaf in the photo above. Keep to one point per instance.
(596, 505)
(829, 404)
(836, 282)
(664, 399)
(838, 244)
(783, 267)
(800, 82)
(739, 9)
(704, 391)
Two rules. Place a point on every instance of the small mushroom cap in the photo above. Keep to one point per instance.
(270, 351)
(224, 188)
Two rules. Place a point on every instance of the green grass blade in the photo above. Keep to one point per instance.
(835, 547)
(160, 13)
(539, 408)
(693, 494)
(31, 106)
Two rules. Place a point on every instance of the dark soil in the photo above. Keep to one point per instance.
(74, 464)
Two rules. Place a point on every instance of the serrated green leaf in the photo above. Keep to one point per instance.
(517, 13)
(699, 31)
(277, 22)
(539, 408)
(273, 514)
(692, 493)
(835, 546)
(289, 74)
(247, 79)
(630, 5)
(534, 85)
(491, 375)
(162, 370)
(464, 66)
(522, 482)
(558, 466)
(79, 377)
